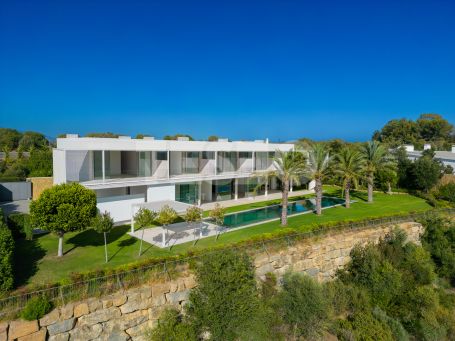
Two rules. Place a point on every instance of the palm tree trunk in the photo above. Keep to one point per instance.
(60, 243)
(370, 187)
(284, 203)
(105, 246)
(347, 197)
(318, 190)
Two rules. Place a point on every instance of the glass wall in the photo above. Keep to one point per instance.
(187, 193)
(222, 190)
(227, 162)
(98, 164)
(190, 162)
(145, 163)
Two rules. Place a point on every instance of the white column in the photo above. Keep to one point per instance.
(266, 186)
(163, 242)
(236, 189)
(168, 164)
(254, 161)
(216, 162)
(199, 193)
(290, 186)
(103, 165)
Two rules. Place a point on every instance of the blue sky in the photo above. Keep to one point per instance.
(238, 69)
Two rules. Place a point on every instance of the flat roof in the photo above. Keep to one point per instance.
(94, 143)
(438, 154)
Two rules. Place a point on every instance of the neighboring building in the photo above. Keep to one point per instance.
(447, 158)
(124, 171)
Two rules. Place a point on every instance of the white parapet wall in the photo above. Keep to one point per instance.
(119, 207)
(161, 192)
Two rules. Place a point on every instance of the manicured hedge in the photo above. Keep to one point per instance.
(19, 224)
(6, 259)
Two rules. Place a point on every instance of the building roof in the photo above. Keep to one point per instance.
(438, 155)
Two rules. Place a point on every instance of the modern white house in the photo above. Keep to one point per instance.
(446, 157)
(124, 171)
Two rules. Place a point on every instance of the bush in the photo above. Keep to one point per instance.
(6, 259)
(36, 308)
(304, 305)
(398, 332)
(446, 192)
(2, 215)
(19, 224)
(172, 327)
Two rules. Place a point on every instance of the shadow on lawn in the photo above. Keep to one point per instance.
(92, 238)
(122, 244)
(27, 254)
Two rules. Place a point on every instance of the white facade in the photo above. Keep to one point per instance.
(124, 171)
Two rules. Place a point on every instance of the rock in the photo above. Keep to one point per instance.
(190, 282)
(66, 312)
(118, 336)
(50, 318)
(177, 297)
(81, 309)
(126, 321)
(312, 272)
(139, 329)
(157, 301)
(107, 303)
(160, 289)
(40, 335)
(119, 300)
(59, 337)
(94, 305)
(3, 331)
(86, 332)
(135, 302)
(262, 270)
(61, 327)
(21, 328)
(3, 336)
(99, 316)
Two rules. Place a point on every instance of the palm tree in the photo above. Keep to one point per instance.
(375, 158)
(349, 165)
(289, 166)
(316, 169)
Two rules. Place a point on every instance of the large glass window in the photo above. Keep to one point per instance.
(187, 193)
(223, 190)
(190, 162)
(227, 162)
(145, 163)
(98, 164)
(161, 156)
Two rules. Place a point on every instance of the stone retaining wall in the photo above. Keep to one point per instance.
(129, 314)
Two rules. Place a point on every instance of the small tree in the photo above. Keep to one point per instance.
(143, 218)
(103, 223)
(193, 215)
(63, 208)
(217, 215)
(6, 258)
(166, 216)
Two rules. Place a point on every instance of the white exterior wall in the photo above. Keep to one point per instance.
(311, 185)
(115, 163)
(161, 192)
(176, 163)
(119, 207)
(59, 166)
(78, 165)
(206, 191)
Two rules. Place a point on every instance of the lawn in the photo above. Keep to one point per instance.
(36, 261)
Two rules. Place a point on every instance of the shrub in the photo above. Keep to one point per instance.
(446, 192)
(304, 305)
(36, 308)
(19, 224)
(2, 215)
(398, 332)
(6, 258)
(172, 327)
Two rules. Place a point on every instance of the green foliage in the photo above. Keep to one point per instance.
(427, 173)
(226, 301)
(19, 224)
(63, 208)
(40, 162)
(193, 214)
(446, 192)
(9, 139)
(102, 135)
(31, 140)
(144, 218)
(304, 305)
(212, 138)
(166, 216)
(102, 223)
(36, 308)
(397, 329)
(6, 258)
(365, 327)
(2, 215)
(217, 214)
(439, 240)
(172, 326)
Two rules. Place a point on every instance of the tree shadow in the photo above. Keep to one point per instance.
(122, 244)
(27, 254)
(359, 195)
(92, 238)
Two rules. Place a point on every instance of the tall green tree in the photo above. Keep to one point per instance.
(9, 138)
(349, 166)
(317, 169)
(225, 302)
(63, 208)
(427, 172)
(434, 127)
(103, 223)
(289, 167)
(33, 139)
(375, 157)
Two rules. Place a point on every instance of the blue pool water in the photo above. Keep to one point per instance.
(274, 211)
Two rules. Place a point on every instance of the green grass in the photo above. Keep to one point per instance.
(37, 261)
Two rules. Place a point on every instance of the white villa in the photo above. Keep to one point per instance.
(446, 157)
(125, 172)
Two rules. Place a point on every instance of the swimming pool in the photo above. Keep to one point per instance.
(274, 211)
